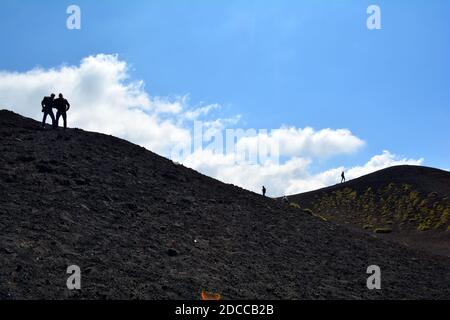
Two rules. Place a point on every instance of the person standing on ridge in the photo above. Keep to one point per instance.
(342, 177)
(62, 105)
(264, 191)
(47, 108)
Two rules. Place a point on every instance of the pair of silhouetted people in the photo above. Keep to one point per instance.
(60, 104)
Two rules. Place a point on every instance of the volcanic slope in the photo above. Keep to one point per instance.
(142, 227)
(409, 204)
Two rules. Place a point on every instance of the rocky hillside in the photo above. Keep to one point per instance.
(141, 227)
(410, 204)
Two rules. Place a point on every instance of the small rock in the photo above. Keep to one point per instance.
(188, 200)
(25, 158)
(89, 270)
(7, 251)
(43, 167)
(10, 178)
(64, 182)
(85, 207)
(81, 182)
(131, 206)
(172, 252)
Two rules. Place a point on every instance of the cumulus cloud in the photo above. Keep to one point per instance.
(105, 99)
(294, 142)
(201, 111)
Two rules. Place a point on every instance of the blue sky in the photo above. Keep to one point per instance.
(297, 63)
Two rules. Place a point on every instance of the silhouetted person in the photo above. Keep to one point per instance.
(62, 105)
(264, 191)
(342, 177)
(47, 108)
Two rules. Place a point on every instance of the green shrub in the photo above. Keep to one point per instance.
(383, 230)
(423, 227)
(294, 205)
(320, 217)
(445, 215)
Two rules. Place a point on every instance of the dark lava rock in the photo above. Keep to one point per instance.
(115, 227)
(44, 167)
(7, 251)
(172, 252)
(25, 158)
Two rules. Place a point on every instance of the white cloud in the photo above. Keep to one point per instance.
(201, 111)
(102, 100)
(105, 99)
(294, 142)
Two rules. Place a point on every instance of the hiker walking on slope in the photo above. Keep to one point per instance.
(47, 108)
(264, 191)
(342, 177)
(62, 105)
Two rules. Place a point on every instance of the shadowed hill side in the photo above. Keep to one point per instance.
(409, 204)
(140, 226)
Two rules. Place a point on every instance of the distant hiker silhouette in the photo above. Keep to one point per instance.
(342, 177)
(47, 108)
(62, 105)
(264, 191)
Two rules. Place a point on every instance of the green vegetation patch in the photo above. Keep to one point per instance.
(294, 205)
(392, 205)
(383, 230)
